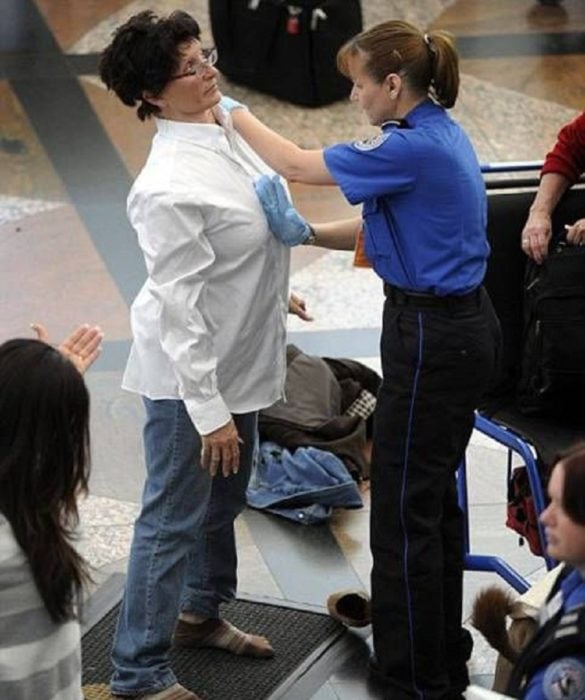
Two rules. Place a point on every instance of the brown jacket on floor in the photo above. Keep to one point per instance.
(319, 411)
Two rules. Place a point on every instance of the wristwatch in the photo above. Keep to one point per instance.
(311, 239)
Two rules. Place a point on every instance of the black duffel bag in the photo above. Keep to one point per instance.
(284, 49)
(552, 382)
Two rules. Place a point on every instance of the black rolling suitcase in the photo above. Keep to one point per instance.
(285, 49)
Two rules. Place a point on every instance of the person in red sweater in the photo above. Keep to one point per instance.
(562, 168)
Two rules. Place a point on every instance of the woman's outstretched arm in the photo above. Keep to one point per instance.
(285, 157)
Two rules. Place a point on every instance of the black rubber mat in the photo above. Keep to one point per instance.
(298, 637)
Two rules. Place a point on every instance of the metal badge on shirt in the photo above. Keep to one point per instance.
(564, 680)
(371, 143)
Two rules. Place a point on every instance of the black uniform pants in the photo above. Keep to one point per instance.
(436, 362)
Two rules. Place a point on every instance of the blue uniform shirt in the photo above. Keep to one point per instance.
(564, 678)
(424, 202)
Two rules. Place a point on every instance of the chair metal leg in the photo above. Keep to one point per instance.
(489, 562)
(482, 562)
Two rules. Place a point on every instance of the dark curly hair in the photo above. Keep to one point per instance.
(143, 55)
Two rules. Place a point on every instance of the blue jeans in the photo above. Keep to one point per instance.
(183, 554)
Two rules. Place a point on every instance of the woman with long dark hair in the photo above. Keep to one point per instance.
(44, 466)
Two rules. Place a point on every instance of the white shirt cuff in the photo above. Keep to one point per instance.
(208, 416)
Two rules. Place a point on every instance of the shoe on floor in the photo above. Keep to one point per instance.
(352, 607)
(173, 692)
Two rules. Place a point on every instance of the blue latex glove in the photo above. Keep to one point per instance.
(284, 220)
(228, 104)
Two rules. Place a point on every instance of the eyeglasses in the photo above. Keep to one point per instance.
(199, 67)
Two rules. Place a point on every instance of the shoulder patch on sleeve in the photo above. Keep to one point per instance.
(371, 143)
(564, 680)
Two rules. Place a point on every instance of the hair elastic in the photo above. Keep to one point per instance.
(429, 42)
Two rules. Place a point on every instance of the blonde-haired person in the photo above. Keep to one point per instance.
(424, 215)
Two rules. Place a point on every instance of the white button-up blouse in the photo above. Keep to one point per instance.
(209, 323)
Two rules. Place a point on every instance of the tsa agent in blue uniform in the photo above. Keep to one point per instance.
(552, 667)
(424, 214)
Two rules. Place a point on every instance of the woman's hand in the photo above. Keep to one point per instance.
(298, 307)
(221, 450)
(284, 220)
(82, 347)
(228, 104)
(536, 236)
(576, 233)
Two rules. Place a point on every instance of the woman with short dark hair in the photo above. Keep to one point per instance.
(208, 352)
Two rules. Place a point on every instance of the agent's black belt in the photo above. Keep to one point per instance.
(399, 297)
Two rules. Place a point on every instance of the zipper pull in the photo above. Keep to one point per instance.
(293, 24)
(534, 282)
(318, 14)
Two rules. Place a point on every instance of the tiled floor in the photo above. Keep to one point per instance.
(68, 152)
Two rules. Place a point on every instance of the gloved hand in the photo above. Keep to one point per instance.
(284, 220)
(228, 104)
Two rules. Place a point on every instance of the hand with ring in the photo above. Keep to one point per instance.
(536, 236)
(220, 450)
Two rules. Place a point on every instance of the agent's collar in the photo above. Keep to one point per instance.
(394, 124)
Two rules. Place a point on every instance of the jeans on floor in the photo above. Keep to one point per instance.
(183, 554)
